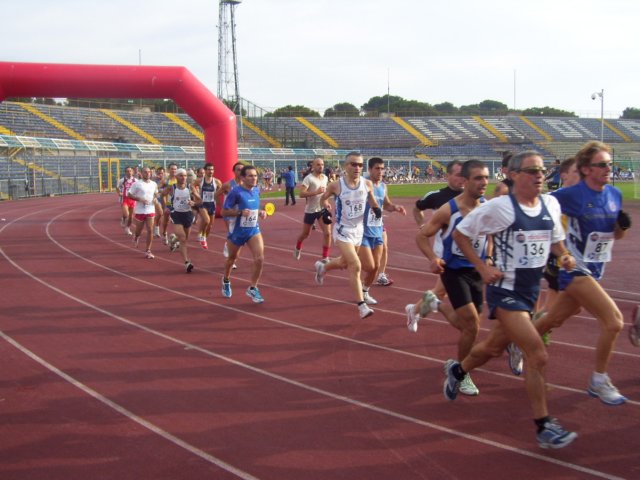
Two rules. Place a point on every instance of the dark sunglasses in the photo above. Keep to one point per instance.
(532, 170)
(601, 164)
(356, 165)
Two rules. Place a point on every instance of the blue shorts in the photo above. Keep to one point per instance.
(241, 236)
(371, 242)
(510, 300)
(210, 207)
(565, 278)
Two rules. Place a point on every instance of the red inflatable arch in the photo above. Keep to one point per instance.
(121, 81)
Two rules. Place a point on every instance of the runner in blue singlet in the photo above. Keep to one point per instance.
(594, 222)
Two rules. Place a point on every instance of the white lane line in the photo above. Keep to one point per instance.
(340, 398)
(322, 297)
(123, 411)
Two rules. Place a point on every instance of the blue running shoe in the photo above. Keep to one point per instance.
(226, 289)
(254, 294)
(451, 383)
(554, 436)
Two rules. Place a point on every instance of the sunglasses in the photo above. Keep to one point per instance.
(356, 165)
(601, 164)
(532, 170)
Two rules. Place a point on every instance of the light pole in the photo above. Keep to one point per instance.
(593, 97)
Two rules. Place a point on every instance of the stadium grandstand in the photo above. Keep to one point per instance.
(46, 149)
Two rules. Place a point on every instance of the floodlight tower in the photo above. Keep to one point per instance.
(228, 84)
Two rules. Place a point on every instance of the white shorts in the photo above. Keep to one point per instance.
(352, 235)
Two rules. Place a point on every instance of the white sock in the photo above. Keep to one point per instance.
(599, 378)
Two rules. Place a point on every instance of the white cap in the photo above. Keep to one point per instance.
(181, 171)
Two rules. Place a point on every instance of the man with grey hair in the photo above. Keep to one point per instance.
(525, 226)
(351, 192)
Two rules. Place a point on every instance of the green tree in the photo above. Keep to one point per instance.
(494, 107)
(631, 112)
(546, 112)
(397, 105)
(344, 109)
(486, 107)
(293, 111)
(446, 108)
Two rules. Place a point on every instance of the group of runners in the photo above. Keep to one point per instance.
(506, 244)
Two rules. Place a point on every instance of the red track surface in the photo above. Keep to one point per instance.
(117, 367)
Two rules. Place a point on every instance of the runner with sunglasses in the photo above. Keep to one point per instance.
(351, 192)
(525, 226)
(595, 220)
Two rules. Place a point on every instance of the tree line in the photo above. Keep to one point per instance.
(374, 107)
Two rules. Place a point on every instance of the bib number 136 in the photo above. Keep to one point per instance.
(531, 249)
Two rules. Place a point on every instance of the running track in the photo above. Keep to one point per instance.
(117, 367)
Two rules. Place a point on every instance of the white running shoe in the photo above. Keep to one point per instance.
(174, 244)
(320, 272)
(430, 303)
(364, 310)
(165, 239)
(368, 299)
(149, 255)
(412, 318)
(128, 231)
(467, 387)
(296, 254)
(516, 359)
(606, 392)
(156, 232)
(383, 280)
(225, 250)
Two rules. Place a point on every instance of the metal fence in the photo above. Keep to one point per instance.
(31, 172)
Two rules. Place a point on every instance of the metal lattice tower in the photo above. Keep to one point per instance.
(228, 84)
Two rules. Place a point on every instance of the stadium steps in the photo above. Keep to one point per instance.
(626, 138)
(69, 131)
(544, 134)
(330, 141)
(176, 119)
(272, 141)
(424, 140)
(147, 136)
(499, 135)
(5, 131)
(48, 173)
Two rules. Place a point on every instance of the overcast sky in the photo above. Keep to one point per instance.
(321, 52)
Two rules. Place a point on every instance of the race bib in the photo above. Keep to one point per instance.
(531, 248)
(598, 247)
(250, 220)
(372, 221)
(478, 244)
(181, 204)
(354, 209)
(207, 197)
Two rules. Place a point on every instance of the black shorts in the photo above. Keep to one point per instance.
(550, 273)
(310, 218)
(463, 286)
(182, 218)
